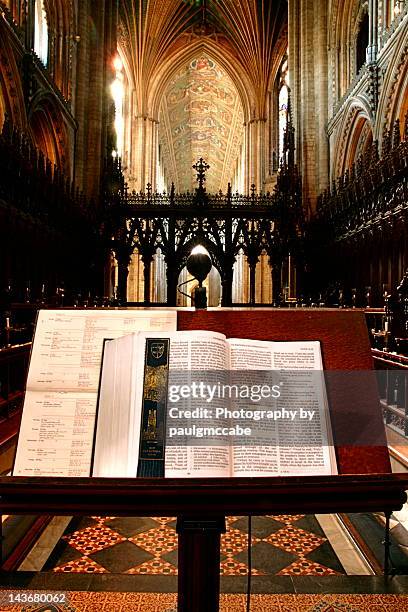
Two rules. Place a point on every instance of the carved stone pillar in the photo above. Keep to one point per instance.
(147, 259)
(276, 269)
(255, 174)
(154, 160)
(373, 31)
(93, 101)
(239, 280)
(172, 279)
(252, 262)
(227, 278)
(308, 66)
(123, 259)
(143, 162)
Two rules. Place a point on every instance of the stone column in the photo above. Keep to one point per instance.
(93, 104)
(308, 66)
(322, 101)
(239, 280)
(172, 279)
(252, 262)
(246, 160)
(80, 97)
(143, 162)
(276, 269)
(154, 163)
(264, 281)
(373, 31)
(256, 153)
(123, 259)
(147, 259)
(95, 94)
(226, 280)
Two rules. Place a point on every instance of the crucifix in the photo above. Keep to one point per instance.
(201, 168)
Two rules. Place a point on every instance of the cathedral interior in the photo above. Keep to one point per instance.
(271, 135)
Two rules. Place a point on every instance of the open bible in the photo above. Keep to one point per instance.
(212, 407)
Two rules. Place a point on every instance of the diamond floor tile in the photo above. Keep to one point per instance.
(83, 565)
(122, 557)
(267, 558)
(231, 567)
(157, 541)
(235, 541)
(93, 539)
(261, 526)
(305, 567)
(286, 518)
(295, 540)
(154, 567)
(128, 526)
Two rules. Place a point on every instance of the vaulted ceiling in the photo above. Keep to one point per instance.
(201, 116)
(166, 42)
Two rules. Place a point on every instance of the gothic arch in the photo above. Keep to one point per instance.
(393, 103)
(11, 93)
(48, 131)
(360, 140)
(355, 134)
(184, 251)
(346, 16)
(178, 57)
(281, 49)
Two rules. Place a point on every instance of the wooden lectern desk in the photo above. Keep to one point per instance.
(364, 483)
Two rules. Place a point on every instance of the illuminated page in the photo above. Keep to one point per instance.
(287, 443)
(60, 405)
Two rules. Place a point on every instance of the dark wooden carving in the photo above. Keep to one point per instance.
(224, 224)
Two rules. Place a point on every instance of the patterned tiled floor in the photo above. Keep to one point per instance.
(157, 602)
(281, 545)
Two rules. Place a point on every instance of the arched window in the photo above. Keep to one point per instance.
(283, 102)
(362, 42)
(41, 32)
(118, 95)
(394, 8)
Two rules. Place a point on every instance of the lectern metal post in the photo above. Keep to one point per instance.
(199, 563)
(387, 544)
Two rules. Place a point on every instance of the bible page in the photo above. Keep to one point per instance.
(57, 427)
(196, 355)
(291, 432)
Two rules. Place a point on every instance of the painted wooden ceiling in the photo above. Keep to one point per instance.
(201, 116)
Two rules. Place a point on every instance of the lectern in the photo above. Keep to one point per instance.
(364, 483)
